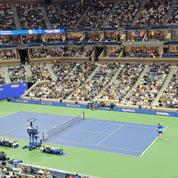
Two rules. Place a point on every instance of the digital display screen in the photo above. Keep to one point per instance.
(31, 32)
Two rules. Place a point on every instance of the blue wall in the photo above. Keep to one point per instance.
(119, 109)
(11, 90)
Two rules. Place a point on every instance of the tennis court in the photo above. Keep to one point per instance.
(103, 135)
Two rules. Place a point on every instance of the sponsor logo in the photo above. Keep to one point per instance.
(128, 110)
(73, 105)
(14, 86)
(46, 103)
(162, 113)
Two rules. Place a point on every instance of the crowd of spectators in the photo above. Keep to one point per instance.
(112, 37)
(145, 93)
(75, 82)
(123, 83)
(2, 79)
(61, 70)
(31, 39)
(89, 14)
(8, 54)
(6, 17)
(114, 53)
(37, 53)
(74, 51)
(65, 15)
(123, 13)
(9, 40)
(17, 74)
(154, 13)
(31, 16)
(173, 20)
(39, 73)
(96, 84)
(141, 52)
(55, 38)
(70, 76)
(96, 14)
(12, 168)
(92, 37)
(136, 36)
(169, 98)
(155, 36)
(85, 51)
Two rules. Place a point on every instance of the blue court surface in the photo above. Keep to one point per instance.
(110, 136)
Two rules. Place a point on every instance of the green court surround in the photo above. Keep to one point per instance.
(160, 161)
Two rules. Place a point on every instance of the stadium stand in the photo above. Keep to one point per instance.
(174, 16)
(169, 97)
(9, 40)
(98, 81)
(76, 76)
(149, 86)
(154, 13)
(40, 72)
(65, 15)
(6, 17)
(30, 16)
(96, 14)
(117, 52)
(124, 81)
(8, 54)
(2, 79)
(11, 168)
(17, 74)
(51, 52)
(88, 59)
(123, 13)
(140, 52)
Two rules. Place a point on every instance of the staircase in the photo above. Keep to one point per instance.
(28, 70)
(93, 73)
(48, 24)
(6, 74)
(146, 69)
(51, 72)
(115, 76)
(15, 17)
(165, 85)
(28, 91)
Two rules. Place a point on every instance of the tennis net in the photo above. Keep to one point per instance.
(58, 129)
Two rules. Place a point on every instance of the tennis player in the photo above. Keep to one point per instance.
(160, 129)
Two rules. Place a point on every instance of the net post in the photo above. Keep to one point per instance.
(83, 115)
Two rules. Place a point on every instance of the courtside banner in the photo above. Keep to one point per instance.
(119, 109)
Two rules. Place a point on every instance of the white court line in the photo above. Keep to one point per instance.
(86, 144)
(151, 143)
(109, 135)
(141, 126)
